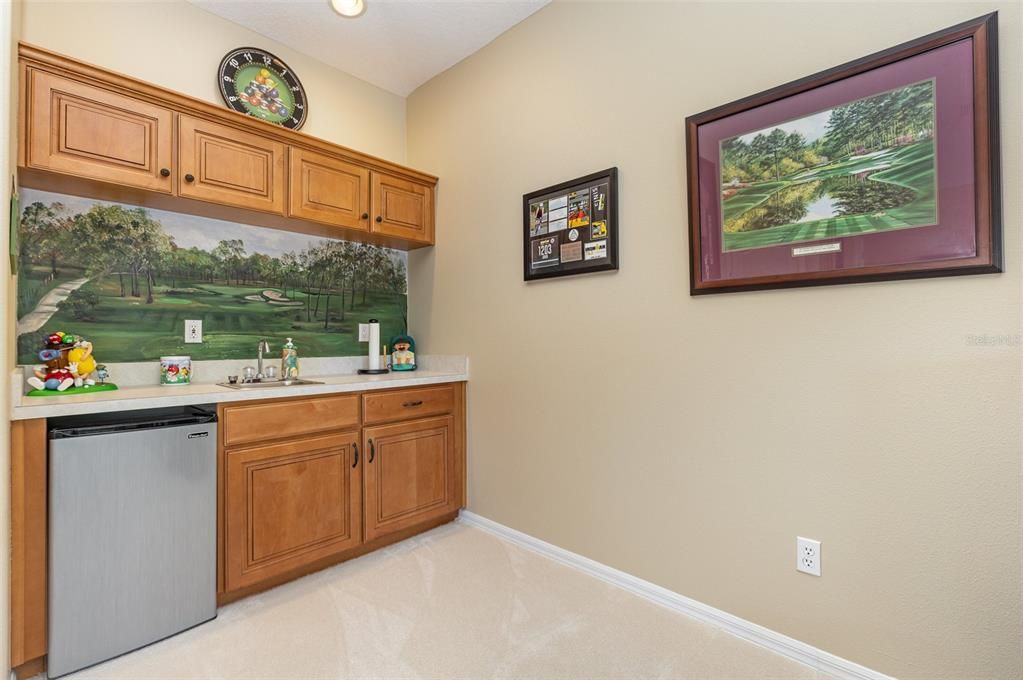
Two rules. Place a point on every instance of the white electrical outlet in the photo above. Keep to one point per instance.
(193, 331)
(808, 556)
(363, 332)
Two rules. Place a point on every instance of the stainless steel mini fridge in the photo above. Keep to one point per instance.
(132, 501)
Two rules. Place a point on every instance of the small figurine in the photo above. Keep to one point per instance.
(68, 363)
(102, 373)
(289, 361)
(403, 354)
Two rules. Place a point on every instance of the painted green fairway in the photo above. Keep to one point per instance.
(131, 330)
(911, 167)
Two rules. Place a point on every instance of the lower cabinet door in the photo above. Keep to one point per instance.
(409, 474)
(288, 505)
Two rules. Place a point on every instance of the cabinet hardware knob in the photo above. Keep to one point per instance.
(365, 216)
(355, 447)
(379, 218)
(164, 172)
(411, 404)
(372, 451)
(189, 177)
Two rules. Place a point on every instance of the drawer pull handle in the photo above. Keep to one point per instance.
(189, 177)
(365, 216)
(164, 172)
(379, 218)
(355, 447)
(372, 451)
(411, 404)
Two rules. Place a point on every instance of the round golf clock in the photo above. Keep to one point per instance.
(255, 82)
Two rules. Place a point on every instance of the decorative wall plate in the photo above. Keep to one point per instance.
(255, 82)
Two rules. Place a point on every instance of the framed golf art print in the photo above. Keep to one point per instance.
(886, 167)
(572, 227)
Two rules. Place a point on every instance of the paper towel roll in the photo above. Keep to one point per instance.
(374, 345)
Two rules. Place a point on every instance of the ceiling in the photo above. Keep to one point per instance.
(396, 44)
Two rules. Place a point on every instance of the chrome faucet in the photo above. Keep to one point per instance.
(263, 346)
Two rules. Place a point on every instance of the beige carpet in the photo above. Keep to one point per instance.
(456, 602)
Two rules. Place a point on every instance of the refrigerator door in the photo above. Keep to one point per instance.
(132, 540)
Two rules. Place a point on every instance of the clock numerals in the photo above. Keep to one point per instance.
(228, 79)
(294, 88)
(299, 106)
(232, 99)
(284, 72)
(266, 60)
(234, 62)
(248, 56)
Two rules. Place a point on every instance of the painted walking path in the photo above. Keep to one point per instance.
(47, 307)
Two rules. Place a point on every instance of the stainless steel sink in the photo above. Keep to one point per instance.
(269, 383)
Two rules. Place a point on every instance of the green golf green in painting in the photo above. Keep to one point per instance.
(127, 279)
(860, 168)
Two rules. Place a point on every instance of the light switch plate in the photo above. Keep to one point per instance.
(363, 332)
(193, 331)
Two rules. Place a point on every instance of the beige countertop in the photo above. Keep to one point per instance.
(134, 397)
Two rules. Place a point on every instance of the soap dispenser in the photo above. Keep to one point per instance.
(289, 361)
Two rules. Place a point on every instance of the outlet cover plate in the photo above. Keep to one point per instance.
(808, 556)
(193, 331)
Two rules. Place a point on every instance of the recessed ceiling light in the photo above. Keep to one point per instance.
(348, 8)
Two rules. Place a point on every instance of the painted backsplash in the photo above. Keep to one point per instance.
(127, 278)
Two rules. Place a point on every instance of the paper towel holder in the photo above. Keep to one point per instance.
(373, 351)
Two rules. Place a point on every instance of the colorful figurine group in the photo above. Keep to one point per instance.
(68, 363)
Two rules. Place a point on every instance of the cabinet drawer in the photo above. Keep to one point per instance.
(381, 407)
(248, 423)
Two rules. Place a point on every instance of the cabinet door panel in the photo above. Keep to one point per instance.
(329, 190)
(409, 474)
(91, 132)
(288, 505)
(402, 208)
(230, 167)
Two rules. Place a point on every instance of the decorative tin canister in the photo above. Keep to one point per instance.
(175, 370)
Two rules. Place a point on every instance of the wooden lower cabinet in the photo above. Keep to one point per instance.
(410, 474)
(290, 504)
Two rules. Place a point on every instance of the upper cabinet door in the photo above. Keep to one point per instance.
(83, 130)
(328, 190)
(402, 208)
(226, 165)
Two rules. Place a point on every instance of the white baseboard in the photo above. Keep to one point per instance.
(776, 642)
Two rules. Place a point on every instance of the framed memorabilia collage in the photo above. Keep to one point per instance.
(886, 167)
(572, 227)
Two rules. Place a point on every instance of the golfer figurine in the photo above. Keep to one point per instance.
(403, 353)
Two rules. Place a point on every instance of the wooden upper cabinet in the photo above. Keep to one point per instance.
(288, 505)
(402, 208)
(409, 475)
(328, 190)
(78, 129)
(225, 165)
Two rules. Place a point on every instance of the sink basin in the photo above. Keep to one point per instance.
(270, 383)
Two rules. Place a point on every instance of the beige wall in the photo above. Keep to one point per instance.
(177, 45)
(690, 440)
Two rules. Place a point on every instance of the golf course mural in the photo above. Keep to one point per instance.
(128, 277)
(864, 167)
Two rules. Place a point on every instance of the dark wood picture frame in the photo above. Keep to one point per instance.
(987, 258)
(609, 263)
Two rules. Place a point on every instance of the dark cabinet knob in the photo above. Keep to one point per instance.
(365, 216)
(379, 218)
(190, 177)
(164, 172)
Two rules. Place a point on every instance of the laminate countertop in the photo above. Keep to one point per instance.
(131, 398)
